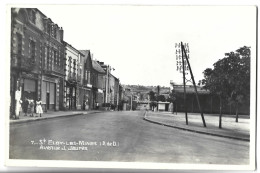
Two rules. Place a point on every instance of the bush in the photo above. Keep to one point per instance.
(106, 104)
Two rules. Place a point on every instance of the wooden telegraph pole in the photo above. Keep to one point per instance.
(181, 68)
(182, 62)
(194, 84)
(184, 83)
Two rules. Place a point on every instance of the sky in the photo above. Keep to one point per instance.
(139, 41)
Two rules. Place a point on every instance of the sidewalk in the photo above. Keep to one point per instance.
(230, 129)
(51, 114)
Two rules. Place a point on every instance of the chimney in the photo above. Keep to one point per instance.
(61, 34)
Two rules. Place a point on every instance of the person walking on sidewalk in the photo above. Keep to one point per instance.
(32, 107)
(25, 106)
(39, 107)
(18, 109)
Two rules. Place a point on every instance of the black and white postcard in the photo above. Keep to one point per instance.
(131, 86)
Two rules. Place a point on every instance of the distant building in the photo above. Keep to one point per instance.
(98, 82)
(111, 86)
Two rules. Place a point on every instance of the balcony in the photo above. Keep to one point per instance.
(87, 84)
(53, 70)
(57, 69)
(22, 63)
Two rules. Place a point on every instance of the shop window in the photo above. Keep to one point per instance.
(52, 93)
(44, 91)
(29, 85)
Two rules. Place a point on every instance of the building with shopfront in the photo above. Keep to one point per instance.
(73, 77)
(98, 84)
(37, 54)
(111, 86)
(86, 93)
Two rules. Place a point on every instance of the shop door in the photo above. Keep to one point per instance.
(48, 101)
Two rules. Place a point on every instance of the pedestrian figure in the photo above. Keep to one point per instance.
(25, 106)
(18, 104)
(39, 107)
(32, 107)
(97, 106)
(18, 109)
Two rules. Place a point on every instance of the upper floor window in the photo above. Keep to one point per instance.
(74, 66)
(19, 43)
(32, 49)
(33, 16)
(52, 30)
(48, 28)
(55, 57)
(55, 32)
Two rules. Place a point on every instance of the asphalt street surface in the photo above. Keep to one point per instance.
(120, 136)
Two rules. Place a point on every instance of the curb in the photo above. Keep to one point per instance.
(45, 118)
(195, 131)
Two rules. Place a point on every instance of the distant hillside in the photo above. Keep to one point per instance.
(147, 89)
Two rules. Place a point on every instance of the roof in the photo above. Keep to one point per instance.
(97, 67)
(85, 52)
(190, 89)
(67, 44)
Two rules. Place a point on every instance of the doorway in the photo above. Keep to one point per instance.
(48, 101)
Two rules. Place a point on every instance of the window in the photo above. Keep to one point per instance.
(55, 32)
(55, 57)
(69, 69)
(86, 75)
(47, 57)
(33, 16)
(74, 66)
(32, 49)
(58, 56)
(19, 44)
(49, 28)
(52, 30)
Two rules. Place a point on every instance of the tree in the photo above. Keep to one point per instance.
(161, 98)
(152, 96)
(158, 90)
(230, 79)
(152, 99)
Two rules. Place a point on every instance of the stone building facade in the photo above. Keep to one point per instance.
(86, 89)
(44, 66)
(37, 53)
(98, 83)
(73, 77)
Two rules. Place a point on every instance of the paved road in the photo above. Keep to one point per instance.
(133, 138)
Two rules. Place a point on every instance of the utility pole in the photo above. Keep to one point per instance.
(194, 84)
(182, 67)
(184, 84)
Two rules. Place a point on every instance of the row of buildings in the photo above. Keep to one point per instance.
(45, 67)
